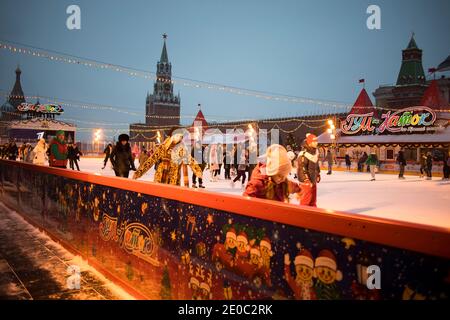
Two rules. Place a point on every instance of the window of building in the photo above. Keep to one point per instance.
(389, 154)
(410, 154)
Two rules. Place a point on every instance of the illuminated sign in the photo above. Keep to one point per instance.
(405, 120)
(41, 108)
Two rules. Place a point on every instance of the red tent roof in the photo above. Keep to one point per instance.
(363, 104)
(199, 118)
(433, 98)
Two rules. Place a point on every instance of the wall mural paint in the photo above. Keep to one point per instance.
(168, 249)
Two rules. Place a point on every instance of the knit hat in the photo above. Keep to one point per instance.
(205, 286)
(59, 132)
(277, 161)
(231, 234)
(255, 251)
(304, 258)
(326, 258)
(242, 237)
(124, 137)
(310, 138)
(265, 242)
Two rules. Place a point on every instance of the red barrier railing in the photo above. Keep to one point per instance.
(421, 238)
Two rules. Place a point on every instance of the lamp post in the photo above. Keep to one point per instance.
(97, 137)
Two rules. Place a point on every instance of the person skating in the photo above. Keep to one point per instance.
(121, 158)
(269, 180)
(227, 164)
(170, 167)
(143, 156)
(329, 158)
(423, 165)
(197, 153)
(40, 153)
(107, 153)
(13, 151)
(58, 151)
(308, 170)
(241, 169)
(348, 162)
(372, 162)
(429, 166)
(73, 154)
(401, 163)
(446, 166)
(213, 163)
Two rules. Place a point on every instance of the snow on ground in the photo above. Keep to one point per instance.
(413, 199)
(33, 266)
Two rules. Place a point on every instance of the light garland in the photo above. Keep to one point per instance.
(70, 59)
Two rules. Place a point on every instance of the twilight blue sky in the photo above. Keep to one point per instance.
(317, 49)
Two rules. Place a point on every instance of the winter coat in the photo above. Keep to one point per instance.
(372, 160)
(121, 159)
(429, 161)
(197, 153)
(213, 158)
(169, 170)
(12, 151)
(107, 150)
(73, 153)
(401, 158)
(423, 160)
(308, 165)
(39, 153)
(347, 160)
(363, 158)
(58, 153)
(329, 157)
(261, 186)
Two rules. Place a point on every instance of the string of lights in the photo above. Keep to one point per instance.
(75, 60)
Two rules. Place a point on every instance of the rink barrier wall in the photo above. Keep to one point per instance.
(164, 241)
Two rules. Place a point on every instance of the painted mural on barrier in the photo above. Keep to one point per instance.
(168, 249)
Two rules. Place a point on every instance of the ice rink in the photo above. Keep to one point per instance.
(413, 199)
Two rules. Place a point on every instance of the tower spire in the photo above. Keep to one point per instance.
(164, 56)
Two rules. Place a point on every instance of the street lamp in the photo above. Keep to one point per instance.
(97, 137)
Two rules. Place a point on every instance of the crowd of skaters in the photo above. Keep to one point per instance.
(58, 153)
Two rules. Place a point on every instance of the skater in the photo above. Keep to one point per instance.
(401, 163)
(227, 164)
(241, 169)
(213, 163)
(429, 165)
(197, 153)
(143, 156)
(173, 159)
(73, 154)
(446, 167)
(12, 151)
(107, 153)
(361, 162)
(121, 158)
(423, 165)
(329, 158)
(58, 151)
(348, 162)
(372, 162)
(40, 153)
(269, 180)
(308, 170)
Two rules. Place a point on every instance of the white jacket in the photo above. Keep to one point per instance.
(39, 155)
